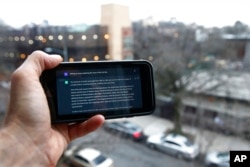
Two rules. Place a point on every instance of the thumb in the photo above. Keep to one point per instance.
(38, 61)
(31, 69)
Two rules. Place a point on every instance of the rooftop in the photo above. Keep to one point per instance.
(230, 85)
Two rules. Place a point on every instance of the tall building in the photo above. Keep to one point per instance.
(116, 18)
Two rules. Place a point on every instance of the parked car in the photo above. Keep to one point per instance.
(126, 129)
(174, 144)
(85, 157)
(217, 159)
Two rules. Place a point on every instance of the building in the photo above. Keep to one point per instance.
(218, 101)
(112, 39)
(116, 18)
(243, 43)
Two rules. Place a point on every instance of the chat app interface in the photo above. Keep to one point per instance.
(93, 90)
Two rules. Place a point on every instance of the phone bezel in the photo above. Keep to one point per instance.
(48, 80)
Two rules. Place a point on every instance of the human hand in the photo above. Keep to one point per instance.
(27, 129)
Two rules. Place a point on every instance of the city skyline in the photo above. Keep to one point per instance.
(207, 13)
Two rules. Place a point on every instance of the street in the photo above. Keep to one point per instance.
(126, 152)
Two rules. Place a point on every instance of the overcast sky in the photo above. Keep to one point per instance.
(65, 12)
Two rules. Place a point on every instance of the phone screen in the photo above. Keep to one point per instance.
(98, 89)
(77, 91)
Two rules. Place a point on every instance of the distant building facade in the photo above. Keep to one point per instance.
(215, 101)
(244, 52)
(116, 18)
(112, 39)
(86, 45)
(218, 102)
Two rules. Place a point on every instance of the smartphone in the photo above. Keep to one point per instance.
(115, 89)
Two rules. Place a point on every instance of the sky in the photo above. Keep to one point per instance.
(208, 13)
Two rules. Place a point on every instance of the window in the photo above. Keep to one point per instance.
(173, 143)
